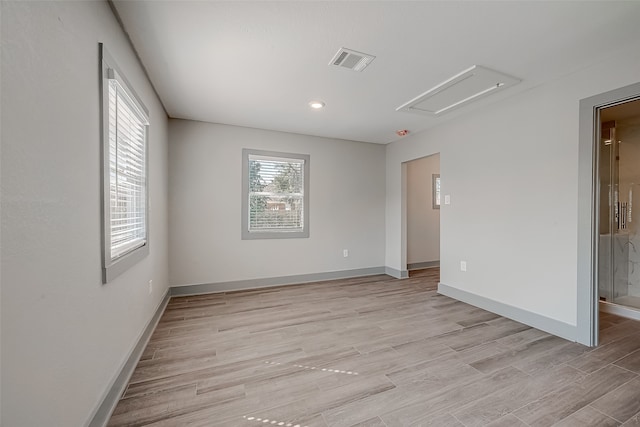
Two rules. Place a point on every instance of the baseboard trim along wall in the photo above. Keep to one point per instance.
(239, 285)
(398, 274)
(555, 327)
(101, 416)
(421, 265)
(619, 310)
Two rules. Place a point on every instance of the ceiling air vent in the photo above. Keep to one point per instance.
(351, 59)
(461, 89)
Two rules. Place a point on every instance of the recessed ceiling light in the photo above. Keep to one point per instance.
(316, 105)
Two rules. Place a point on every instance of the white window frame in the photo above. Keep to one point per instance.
(247, 233)
(113, 266)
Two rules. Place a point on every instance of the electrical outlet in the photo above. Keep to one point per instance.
(345, 253)
(150, 286)
(463, 265)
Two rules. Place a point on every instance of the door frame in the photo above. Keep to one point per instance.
(588, 212)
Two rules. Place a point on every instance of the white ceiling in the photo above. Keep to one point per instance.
(258, 64)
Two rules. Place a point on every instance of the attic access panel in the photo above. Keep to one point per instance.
(470, 85)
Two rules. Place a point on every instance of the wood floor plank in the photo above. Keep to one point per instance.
(508, 421)
(633, 421)
(371, 422)
(605, 354)
(573, 397)
(372, 352)
(442, 420)
(518, 354)
(621, 403)
(588, 417)
(388, 401)
(125, 406)
(454, 396)
(552, 358)
(491, 408)
(630, 362)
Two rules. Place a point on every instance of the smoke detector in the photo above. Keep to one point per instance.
(351, 59)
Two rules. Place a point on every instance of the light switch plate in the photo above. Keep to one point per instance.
(447, 199)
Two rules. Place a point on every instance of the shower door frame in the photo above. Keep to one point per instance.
(588, 209)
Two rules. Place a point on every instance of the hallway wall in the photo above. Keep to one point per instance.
(423, 221)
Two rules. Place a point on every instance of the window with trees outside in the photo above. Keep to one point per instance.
(275, 201)
(124, 150)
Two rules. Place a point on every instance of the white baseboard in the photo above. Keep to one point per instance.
(620, 310)
(239, 285)
(421, 265)
(552, 326)
(398, 274)
(102, 413)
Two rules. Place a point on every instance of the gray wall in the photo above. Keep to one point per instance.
(511, 169)
(423, 221)
(346, 202)
(64, 334)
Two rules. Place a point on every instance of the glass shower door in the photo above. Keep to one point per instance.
(619, 170)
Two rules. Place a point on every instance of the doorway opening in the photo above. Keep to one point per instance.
(423, 215)
(618, 221)
(609, 210)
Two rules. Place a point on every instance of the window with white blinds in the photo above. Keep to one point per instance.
(275, 201)
(127, 173)
(126, 123)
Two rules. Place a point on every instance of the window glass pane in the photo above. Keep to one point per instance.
(276, 194)
(127, 174)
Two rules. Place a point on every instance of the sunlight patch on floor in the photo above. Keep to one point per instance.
(271, 422)
(313, 368)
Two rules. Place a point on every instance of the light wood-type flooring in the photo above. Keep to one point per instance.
(373, 352)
